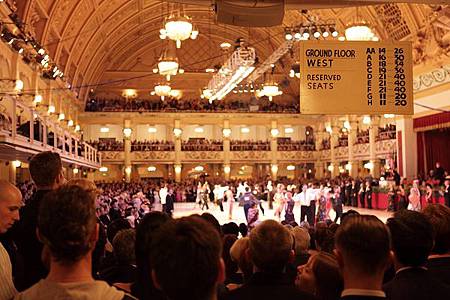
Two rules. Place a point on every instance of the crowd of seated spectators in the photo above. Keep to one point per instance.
(326, 144)
(343, 141)
(389, 132)
(289, 145)
(186, 105)
(201, 145)
(87, 249)
(362, 136)
(107, 145)
(249, 145)
(152, 145)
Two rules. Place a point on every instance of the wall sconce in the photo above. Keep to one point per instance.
(226, 132)
(127, 132)
(177, 132)
(227, 169)
(177, 169)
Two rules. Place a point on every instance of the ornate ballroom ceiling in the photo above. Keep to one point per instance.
(96, 41)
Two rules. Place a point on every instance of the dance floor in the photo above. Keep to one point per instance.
(186, 209)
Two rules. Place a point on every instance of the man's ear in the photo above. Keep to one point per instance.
(155, 280)
(221, 274)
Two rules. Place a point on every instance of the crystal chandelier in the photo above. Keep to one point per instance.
(178, 27)
(162, 90)
(269, 89)
(359, 30)
(168, 63)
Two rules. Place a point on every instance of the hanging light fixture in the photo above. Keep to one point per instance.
(359, 30)
(178, 27)
(163, 90)
(269, 89)
(168, 63)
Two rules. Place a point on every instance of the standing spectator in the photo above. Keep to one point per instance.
(439, 173)
(362, 195)
(10, 203)
(186, 259)
(412, 241)
(47, 174)
(362, 250)
(337, 203)
(369, 194)
(163, 196)
(68, 227)
(447, 191)
(397, 177)
(439, 261)
(270, 250)
(170, 200)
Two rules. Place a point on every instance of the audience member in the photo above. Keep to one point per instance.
(270, 251)
(362, 245)
(67, 226)
(439, 261)
(412, 242)
(143, 288)
(321, 277)
(47, 174)
(186, 259)
(10, 203)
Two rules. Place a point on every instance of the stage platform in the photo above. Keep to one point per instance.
(186, 209)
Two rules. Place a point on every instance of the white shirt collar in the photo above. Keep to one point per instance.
(363, 292)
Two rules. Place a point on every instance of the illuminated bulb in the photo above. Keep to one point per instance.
(290, 168)
(366, 120)
(389, 116)
(274, 168)
(347, 125)
(128, 170)
(17, 163)
(19, 85)
(226, 132)
(199, 130)
(245, 130)
(70, 123)
(104, 129)
(103, 169)
(152, 130)
(127, 132)
(77, 127)
(177, 132)
(37, 99)
(151, 169)
(368, 165)
(329, 129)
(177, 169)
(199, 168)
(274, 132)
(330, 168)
(289, 130)
(61, 116)
(348, 167)
(75, 171)
(226, 169)
(51, 109)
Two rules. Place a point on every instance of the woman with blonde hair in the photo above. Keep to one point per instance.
(414, 197)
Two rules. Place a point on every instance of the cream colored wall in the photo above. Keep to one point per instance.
(92, 132)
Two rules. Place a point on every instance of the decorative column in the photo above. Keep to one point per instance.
(226, 133)
(177, 133)
(274, 149)
(317, 154)
(373, 132)
(127, 149)
(353, 172)
(406, 148)
(333, 142)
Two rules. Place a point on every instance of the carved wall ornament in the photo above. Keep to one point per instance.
(432, 79)
(202, 155)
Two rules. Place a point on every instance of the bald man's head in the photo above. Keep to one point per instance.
(10, 203)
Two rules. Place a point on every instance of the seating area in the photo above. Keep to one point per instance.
(249, 145)
(201, 144)
(152, 145)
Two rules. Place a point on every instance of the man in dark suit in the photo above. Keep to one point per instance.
(47, 174)
(247, 199)
(170, 200)
(270, 251)
(439, 261)
(362, 251)
(412, 241)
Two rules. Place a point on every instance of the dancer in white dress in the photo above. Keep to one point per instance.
(230, 202)
(279, 200)
(414, 197)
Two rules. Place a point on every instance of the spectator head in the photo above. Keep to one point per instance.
(46, 170)
(115, 227)
(412, 238)
(243, 229)
(439, 217)
(123, 245)
(145, 233)
(84, 184)
(213, 221)
(324, 236)
(230, 228)
(270, 247)
(362, 245)
(231, 266)
(67, 224)
(349, 213)
(10, 203)
(238, 254)
(302, 239)
(321, 277)
(247, 189)
(186, 259)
